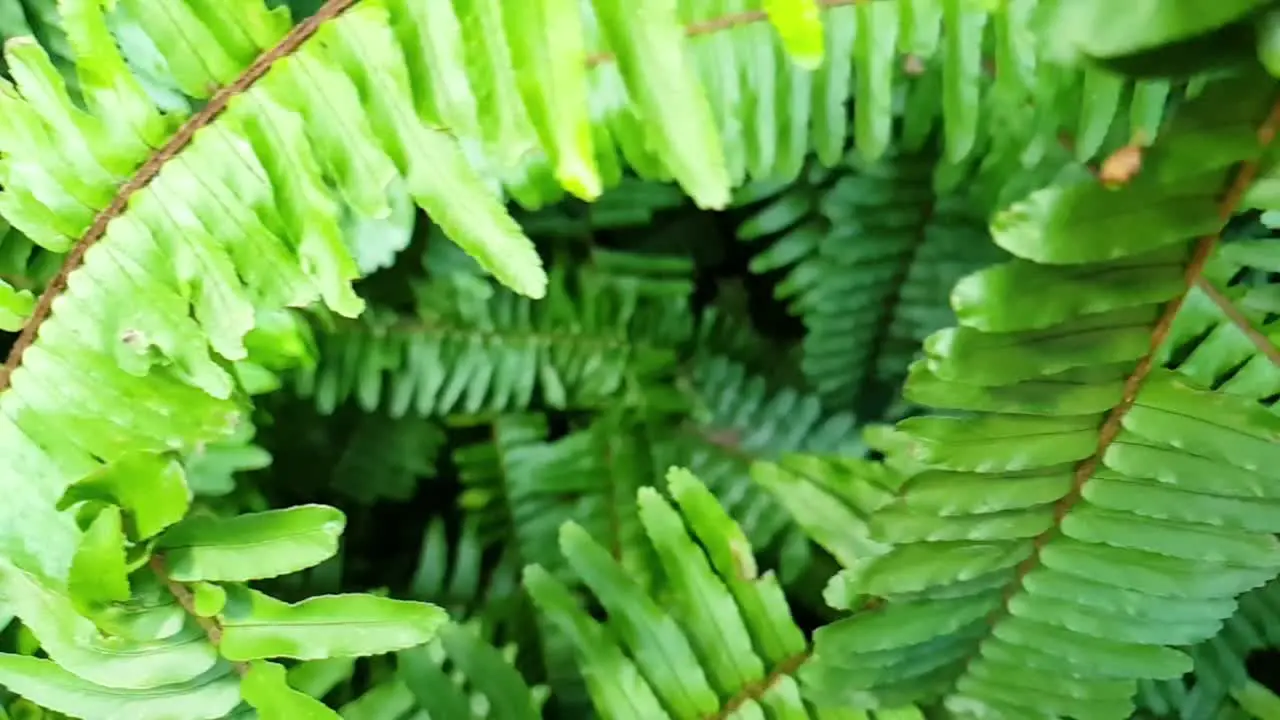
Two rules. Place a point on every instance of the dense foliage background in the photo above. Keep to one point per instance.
(763, 346)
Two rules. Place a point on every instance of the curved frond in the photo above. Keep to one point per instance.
(746, 419)
(1220, 678)
(473, 347)
(868, 254)
(1057, 569)
(459, 675)
(716, 640)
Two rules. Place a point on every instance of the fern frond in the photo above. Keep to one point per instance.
(867, 256)
(521, 488)
(453, 572)
(715, 641)
(745, 419)
(1226, 334)
(473, 348)
(1220, 671)
(459, 676)
(1049, 593)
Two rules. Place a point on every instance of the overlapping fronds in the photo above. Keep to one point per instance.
(1226, 335)
(745, 419)
(602, 339)
(156, 618)
(458, 675)
(1085, 511)
(521, 487)
(869, 255)
(1221, 678)
(715, 641)
(1099, 496)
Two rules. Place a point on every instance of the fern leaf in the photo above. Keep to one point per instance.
(747, 420)
(866, 255)
(1054, 606)
(474, 348)
(520, 486)
(457, 676)
(722, 642)
(1220, 670)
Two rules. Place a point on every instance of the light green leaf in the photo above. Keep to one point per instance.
(252, 546)
(209, 599)
(615, 684)
(150, 487)
(799, 24)
(256, 626)
(962, 76)
(547, 44)
(375, 242)
(648, 39)
(207, 697)
(98, 571)
(1103, 29)
(15, 307)
(437, 172)
(647, 630)
(265, 686)
(875, 45)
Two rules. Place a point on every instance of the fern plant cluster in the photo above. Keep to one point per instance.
(639, 359)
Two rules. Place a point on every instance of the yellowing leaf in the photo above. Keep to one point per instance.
(799, 24)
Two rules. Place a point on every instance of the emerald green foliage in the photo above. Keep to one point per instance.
(689, 359)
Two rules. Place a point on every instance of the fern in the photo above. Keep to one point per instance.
(717, 640)
(1220, 672)
(868, 257)
(224, 190)
(1061, 392)
(582, 348)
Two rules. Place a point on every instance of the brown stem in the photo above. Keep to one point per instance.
(217, 104)
(151, 169)
(184, 596)
(757, 690)
(1240, 320)
(718, 24)
(1111, 427)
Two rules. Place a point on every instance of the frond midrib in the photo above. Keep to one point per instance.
(150, 170)
(1110, 430)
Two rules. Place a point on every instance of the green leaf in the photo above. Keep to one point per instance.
(1103, 29)
(98, 571)
(648, 39)
(266, 688)
(616, 685)
(150, 487)
(15, 307)
(547, 44)
(799, 24)
(489, 674)
(962, 76)
(652, 635)
(209, 599)
(256, 626)
(252, 546)
(420, 670)
(437, 172)
(876, 49)
(208, 697)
